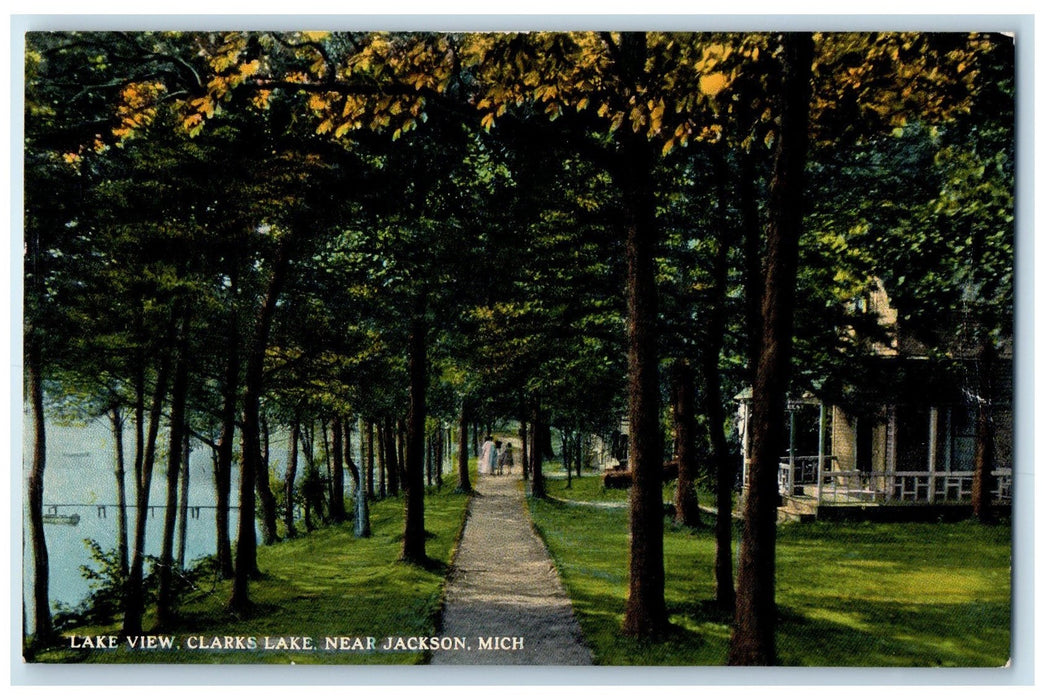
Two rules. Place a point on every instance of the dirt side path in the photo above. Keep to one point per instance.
(504, 586)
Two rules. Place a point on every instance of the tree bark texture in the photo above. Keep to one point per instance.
(43, 627)
(179, 393)
(183, 499)
(983, 455)
(246, 545)
(292, 475)
(537, 486)
(464, 480)
(714, 403)
(116, 419)
(414, 484)
(753, 642)
(134, 598)
(683, 409)
(226, 451)
(337, 474)
(364, 485)
(645, 614)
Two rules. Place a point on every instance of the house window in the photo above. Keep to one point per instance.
(963, 438)
(912, 438)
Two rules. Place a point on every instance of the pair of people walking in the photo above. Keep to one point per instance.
(493, 460)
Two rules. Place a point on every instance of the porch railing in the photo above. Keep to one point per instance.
(802, 475)
(837, 487)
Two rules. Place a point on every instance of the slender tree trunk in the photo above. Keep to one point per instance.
(392, 468)
(645, 614)
(464, 480)
(346, 426)
(754, 635)
(292, 474)
(983, 456)
(364, 483)
(116, 419)
(226, 452)
(525, 456)
(382, 455)
(537, 486)
(134, 598)
(400, 442)
(266, 498)
(183, 502)
(429, 458)
(370, 460)
(43, 627)
(337, 475)
(246, 547)
(413, 484)
(754, 280)
(440, 454)
(179, 393)
(714, 405)
(687, 510)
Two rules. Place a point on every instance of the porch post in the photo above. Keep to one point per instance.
(820, 445)
(821, 438)
(791, 452)
(934, 419)
(746, 443)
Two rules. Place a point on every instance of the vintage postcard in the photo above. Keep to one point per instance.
(666, 346)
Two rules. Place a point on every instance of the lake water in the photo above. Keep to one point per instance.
(80, 476)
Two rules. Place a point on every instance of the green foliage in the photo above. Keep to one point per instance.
(107, 583)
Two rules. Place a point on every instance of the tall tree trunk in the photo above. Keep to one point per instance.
(439, 449)
(226, 450)
(429, 458)
(369, 460)
(537, 486)
(116, 419)
(179, 393)
(400, 431)
(754, 635)
(413, 483)
(43, 627)
(337, 475)
(464, 480)
(566, 451)
(524, 438)
(183, 499)
(346, 426)
(687, 510)
(382, 455)
(364, 482)
(714, 405)
(246, 546)
(645, 614)
(134, 598)
(266, 498)
(292, 475)
(392, 468)
(754, 280)
(983, 456)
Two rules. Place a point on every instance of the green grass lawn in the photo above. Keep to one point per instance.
(848, 594)
(326, 583)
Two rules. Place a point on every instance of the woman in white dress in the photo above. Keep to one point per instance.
(487, 456)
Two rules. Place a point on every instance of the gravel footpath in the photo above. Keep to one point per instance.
(504, 592)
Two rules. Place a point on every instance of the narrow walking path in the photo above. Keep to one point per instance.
(504, 590)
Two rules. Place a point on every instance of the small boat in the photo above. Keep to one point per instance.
(55, 519)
